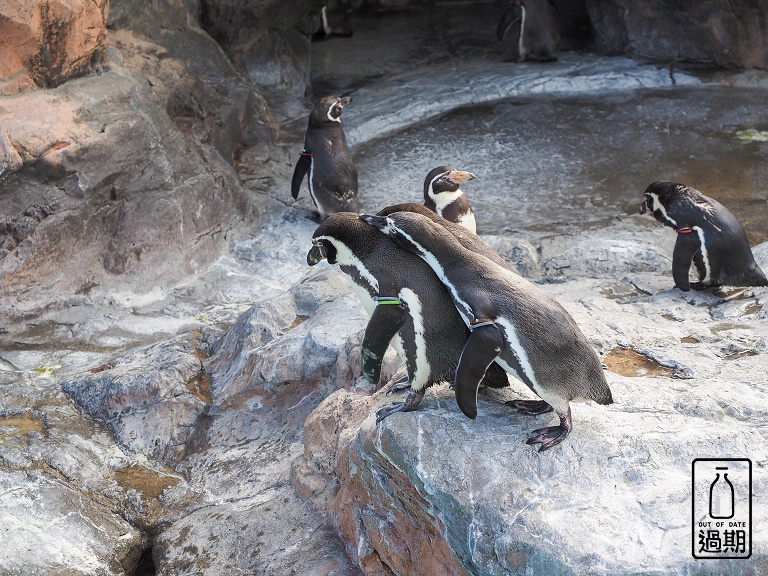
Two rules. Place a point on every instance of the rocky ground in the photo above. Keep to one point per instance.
(218, 423)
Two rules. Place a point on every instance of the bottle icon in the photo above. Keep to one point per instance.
(721, 497)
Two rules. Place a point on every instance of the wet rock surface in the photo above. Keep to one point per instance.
(215, 421)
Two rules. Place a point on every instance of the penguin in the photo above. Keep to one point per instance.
(443, 195)
(334, 21)
(513, 323)
(408, 305)
(332, 173)
(531, 30)
(707, 234)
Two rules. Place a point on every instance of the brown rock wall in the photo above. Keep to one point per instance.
(47, 42)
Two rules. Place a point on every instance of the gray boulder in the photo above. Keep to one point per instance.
(434, 492)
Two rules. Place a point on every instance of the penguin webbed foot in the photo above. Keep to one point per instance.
(552, 435)
(401, 383)
(412, 402)
(530, 407)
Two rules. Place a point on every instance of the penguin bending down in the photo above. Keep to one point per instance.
(531, 30)
(443, 195)
(707, 234)
(475, 244)
(513, 323)
(332, 173)
(408, 305)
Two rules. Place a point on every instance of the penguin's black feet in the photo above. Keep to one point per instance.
(315, 217)
(401, 383)
(412, 402)
(552, 435)
(530, 407)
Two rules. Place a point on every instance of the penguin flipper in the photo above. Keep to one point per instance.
(507, 20)
(385, 322)
(482, 348)
(303, 164)
(685, 248)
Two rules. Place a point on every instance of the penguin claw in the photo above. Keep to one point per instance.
(382, 413)
(547, 437)
(401, 383)
(552, 435)
(530, 407)
(411, 403)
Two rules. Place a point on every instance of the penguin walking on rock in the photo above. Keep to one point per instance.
(513, 323)
(443, 195)
(408, 305)
(326, 158)
(707, 235)
(530, 31)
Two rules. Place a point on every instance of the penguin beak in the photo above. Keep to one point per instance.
(644, 206)
(315, 255)
(460, 176)
(344, 101)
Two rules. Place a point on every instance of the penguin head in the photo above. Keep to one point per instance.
(444, 179)
(340, 239)
(674, 204)
(328, 109)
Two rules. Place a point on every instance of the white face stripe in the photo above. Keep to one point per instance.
(431, 182)
(422, 369)
(522, 31)
(330, 116)
(657, 205)
(704, 255)
(345, 256)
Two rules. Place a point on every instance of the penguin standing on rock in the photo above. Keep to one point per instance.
(408, 305)
(332, 176)
(707, 234)
(443, 195)
(530, 30)
(334, 21)
(513, 323)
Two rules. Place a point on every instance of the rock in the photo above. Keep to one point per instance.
(150, 397)
(136, 218)
(47, 42)
(51, 528)
(728, 35)
(62, 490)
(268, 372)
(432, 488)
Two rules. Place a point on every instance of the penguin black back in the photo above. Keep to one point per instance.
(514, 324)
(431, 333)
(708, 235)
(326, 159)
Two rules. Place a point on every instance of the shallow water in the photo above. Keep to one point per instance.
(583, 159)
(572, 161)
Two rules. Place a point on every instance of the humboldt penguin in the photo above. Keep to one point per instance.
(443, 195)
(332, 173)
(707, 234)
(513, 323)
(530, 29)
(334, 21)
(408, 305)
